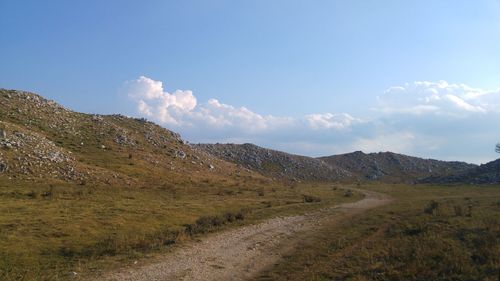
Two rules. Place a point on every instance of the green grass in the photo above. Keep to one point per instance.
(427, 233)
(50, 228)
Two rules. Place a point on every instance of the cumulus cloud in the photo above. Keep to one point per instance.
(181, 109)
(427, 119)
(152, 101)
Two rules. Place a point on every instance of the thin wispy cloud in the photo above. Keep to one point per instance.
(441, 98)
(421, 118)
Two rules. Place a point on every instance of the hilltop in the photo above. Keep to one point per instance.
(42, 139)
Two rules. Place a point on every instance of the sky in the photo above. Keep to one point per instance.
(308, 77)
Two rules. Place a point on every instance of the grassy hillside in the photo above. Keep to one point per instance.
(41, 139)
(428, 233)
(82, 193)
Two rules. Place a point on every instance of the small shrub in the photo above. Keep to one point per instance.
(311, 199)
(431, 208)
(469, 211)
(229, 217)
(209, 223)
(66, 252)
(267, 204)
(459, 211)
(348, 193)
(240, 215)
(31, 194)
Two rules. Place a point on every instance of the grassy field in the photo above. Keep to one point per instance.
(49, 229)
(427, 233)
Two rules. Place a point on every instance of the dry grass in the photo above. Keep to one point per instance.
(428, 233)
(48, 229)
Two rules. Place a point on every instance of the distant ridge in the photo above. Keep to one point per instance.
(394, 167)
(355, 166)
(275, 163)
(488, 173)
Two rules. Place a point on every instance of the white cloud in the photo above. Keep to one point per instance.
(181, 109)
(449, 121)
(329, 121)
(427, 119)
(440, 98)
(152, 101)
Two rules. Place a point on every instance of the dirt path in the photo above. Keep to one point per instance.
(240, 254)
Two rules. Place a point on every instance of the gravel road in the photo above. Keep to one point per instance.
(240, 254)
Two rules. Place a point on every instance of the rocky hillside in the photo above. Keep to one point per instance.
(41, 139)
(393, 167)
(277, 164)
(488, 173)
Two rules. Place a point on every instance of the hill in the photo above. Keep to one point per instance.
(488, 173)
(80, 190)
(393, 167)
(41, 139)
(275, 163)
(383, 166)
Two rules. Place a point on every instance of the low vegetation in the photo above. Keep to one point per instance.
(49, 229)
(428, 233)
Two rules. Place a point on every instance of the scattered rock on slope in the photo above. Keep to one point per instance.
(276, 163)
(488, 173)
(393, 167)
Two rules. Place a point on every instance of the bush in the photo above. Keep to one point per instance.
(311, 199)
(459, 211)
(431, 208)
(240, 215)
(348, 193)
(209, 223)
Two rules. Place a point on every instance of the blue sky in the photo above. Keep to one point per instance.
(309, 77)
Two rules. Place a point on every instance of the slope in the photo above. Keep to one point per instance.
(393, 167)
(276, 164)
(488, 173)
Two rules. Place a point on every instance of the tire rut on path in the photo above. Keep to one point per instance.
(240, 254)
